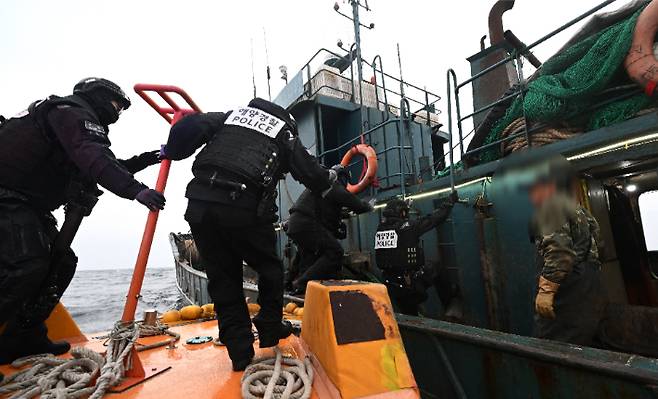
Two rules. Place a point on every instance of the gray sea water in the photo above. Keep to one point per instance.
(96, 298)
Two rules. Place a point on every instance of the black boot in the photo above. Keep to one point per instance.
(20, 342)
(298, 289)
(270, 333)
(241, 364)
(241, 354)
(240, 347)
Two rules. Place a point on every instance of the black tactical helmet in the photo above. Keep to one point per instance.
(100, 93)
(277, 111)
(396, 208)
(93, 85)
(342, 174)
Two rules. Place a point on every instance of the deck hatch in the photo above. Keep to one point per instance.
(357, 322)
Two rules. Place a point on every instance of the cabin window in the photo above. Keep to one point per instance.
(648, 204)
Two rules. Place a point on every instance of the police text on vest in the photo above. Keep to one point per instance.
(257, 120)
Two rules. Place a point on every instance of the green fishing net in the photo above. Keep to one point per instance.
(572, 82)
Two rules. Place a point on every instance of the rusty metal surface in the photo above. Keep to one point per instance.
(522, 48)
(631, 328)
(500, 365)
(482, 207)
(496, 31)
(493, 85)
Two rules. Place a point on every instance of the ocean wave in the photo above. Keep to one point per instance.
(96, 298)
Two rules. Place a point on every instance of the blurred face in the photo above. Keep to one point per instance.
(540, 192)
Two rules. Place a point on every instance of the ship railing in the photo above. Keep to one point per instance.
(427, 102)
(384, 97)
(516, 58)
(366, 137)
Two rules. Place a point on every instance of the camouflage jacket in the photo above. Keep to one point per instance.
(566, 234)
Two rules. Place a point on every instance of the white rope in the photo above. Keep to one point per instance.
(278, 377)
(55, 378)
(52, 377)
(117, 357)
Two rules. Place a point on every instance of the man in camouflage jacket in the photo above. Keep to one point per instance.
(570, 298)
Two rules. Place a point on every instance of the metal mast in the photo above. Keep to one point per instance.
(357, 38)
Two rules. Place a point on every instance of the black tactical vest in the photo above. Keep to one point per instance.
(248, 150)
(321, 210)
(32, 162)
(397, 248)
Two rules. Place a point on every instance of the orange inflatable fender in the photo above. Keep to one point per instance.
(371, 168)
(640, 63)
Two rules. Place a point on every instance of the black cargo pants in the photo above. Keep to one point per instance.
(226, 237)
(322, 254)
(579, 307)
(26, 237)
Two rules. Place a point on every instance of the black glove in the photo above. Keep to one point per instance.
(341, 231)
(151, 199)
(141, 161)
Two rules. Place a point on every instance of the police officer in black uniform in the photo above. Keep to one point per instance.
(232, 209)
(58, 147)
(399, 253)
(315, 226)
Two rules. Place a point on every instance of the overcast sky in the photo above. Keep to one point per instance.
(204, 47)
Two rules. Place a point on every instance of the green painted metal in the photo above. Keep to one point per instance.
(487, 249)
(490, 364)
(484, 363)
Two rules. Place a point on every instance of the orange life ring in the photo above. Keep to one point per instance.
(371, 170)
(640, 63)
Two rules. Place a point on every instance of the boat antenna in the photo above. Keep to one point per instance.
(267, 62)
(357, 40)
(401, 78)
(253, 74)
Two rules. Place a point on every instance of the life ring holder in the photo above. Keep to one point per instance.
(640, 63)
(370, 174)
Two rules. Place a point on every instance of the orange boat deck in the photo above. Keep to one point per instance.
(194, 371)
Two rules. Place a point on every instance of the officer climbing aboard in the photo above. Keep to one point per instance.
(570, 299)
(400, 256)
(232, 209)
(53, 154)
(315, 226)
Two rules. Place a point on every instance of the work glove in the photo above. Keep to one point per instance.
(151, 199)
(546, 298)
(141, 161)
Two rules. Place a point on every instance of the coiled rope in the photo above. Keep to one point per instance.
(541, 137)
(55, 378)
(52, 377)
(278, 377)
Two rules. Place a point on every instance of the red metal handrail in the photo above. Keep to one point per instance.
(172, 114)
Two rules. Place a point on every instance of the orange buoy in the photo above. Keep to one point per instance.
(191, 312)
(640, 63)
(371, 169)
